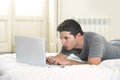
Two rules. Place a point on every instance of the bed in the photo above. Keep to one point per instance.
(11, 70)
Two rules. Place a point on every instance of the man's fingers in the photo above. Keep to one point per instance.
(50, 60)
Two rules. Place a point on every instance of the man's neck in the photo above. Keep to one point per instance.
(80, 42)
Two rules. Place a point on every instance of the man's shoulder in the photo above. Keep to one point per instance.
(94, 37)
(92, 34)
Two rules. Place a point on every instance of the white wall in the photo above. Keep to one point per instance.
(92, 8)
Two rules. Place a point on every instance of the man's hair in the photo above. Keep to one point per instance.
(71, 26)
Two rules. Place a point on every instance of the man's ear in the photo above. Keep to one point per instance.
(79, 34)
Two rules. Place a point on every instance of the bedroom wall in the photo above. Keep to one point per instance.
(92, 9)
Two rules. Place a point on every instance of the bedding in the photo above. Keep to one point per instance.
(11, 70)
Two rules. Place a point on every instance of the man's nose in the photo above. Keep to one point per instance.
(63, 41)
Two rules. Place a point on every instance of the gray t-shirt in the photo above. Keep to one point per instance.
(95, 45)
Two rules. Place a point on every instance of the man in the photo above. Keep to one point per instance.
(91, 47)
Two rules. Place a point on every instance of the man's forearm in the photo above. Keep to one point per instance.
(73, 62)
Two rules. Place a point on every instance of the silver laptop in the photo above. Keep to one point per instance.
(30, 50)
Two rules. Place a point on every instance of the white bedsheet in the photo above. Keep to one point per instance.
(10, 70)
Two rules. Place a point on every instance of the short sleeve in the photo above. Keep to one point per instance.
(96, 46)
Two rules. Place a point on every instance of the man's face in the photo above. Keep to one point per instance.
(68, 41)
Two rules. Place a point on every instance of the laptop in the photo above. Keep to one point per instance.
(31, 50)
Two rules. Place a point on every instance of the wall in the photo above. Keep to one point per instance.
(30, 21)
(92, 9)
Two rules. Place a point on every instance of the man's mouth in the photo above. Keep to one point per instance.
(65, 47)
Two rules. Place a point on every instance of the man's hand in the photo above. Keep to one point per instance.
(60, 59)
(56, 60)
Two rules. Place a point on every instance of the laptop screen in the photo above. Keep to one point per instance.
(30, 50)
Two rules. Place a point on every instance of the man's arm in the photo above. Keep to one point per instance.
(95, 60)
(91, 61)
(62, 60)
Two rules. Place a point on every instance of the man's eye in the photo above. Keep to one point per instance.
(66, 38)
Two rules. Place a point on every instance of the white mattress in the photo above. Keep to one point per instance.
(11, 70)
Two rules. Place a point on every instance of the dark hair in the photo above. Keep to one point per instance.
(70, 25)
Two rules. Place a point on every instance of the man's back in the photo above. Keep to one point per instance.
(99, 47)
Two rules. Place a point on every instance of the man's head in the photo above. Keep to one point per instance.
(70, 34)
(71, 26)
